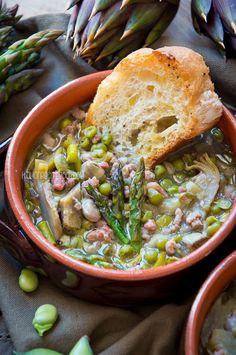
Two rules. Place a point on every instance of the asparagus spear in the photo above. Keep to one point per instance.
(18, 82)
(5, 36)
(135, 200)
(117, 184)
(24, 51)
(108, 214)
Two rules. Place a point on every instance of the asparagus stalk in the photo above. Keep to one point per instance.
(18, 82)
(117, 184)
(25, 51)
(135, 200)
(108, 214)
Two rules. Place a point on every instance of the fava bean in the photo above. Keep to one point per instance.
(151, 255)
(82, 347)
(211, 229)
(72, 153)
(28, 280)
(224, 204)
(215, 209)
(211, 219)
(44, 319)
(163, 221)
(166, 183)
(107, 139)
(99, 146)
(85, 143)
(38, 351)
(161, 243)
(126, 251)
(172, 190)
(90, 132)
(161, 261)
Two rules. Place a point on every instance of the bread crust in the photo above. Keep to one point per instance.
(192, 104)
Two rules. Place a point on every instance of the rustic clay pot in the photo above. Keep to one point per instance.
(24, 240)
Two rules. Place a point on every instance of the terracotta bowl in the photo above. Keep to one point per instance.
(214, 285)
(86, 281)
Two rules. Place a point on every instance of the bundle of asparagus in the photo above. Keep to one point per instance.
(111, 29)
(17, 60)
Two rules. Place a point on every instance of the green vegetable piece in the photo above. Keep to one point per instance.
(29, 206)
(60, 162)
(65, 122)
(107, 139)
(28, 280)
(126, 251)
(151, 255)
(72, 153)
(224, 204)
(178, 238)
(211, 219)
(117, 184)
(161, 261)
(215, 209)
(99, 153)
(77, 164)
(178, 164)
(172, 190)
(85, 143)
(44, 228)
(44, 319)
(163, 221)
(105, 188)
(161, 243)
(99, 146)
(160, 171)
(82, 347)
(90, 132)
(166, 183)
(39, 351)
(155, 197)
(217, 134)
(136, 200)
(147, 215)
(213, 228)
(179, 177)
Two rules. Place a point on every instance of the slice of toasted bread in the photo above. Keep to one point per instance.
(154, 100)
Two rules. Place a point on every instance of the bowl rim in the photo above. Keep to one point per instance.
(17, 205)
(192, 331)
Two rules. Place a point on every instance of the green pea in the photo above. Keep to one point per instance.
(39, 351)
(155, 197)
(107, 139)
(105, 188)
(172, 190)
(224, 204)
(178, 164)
(213, 228)
(211, 219)
(160, 171)
(28, 280)
(166, 183)
(82, 347)
(151, 255)
(163, 221)
(44, 319)
(85, 143)
(65, 122)
(217, 134)
(147, 215)
(215, 209)
(90, 132)
(161, 243)
(161, 259)
(126, 251)
(99, 146)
